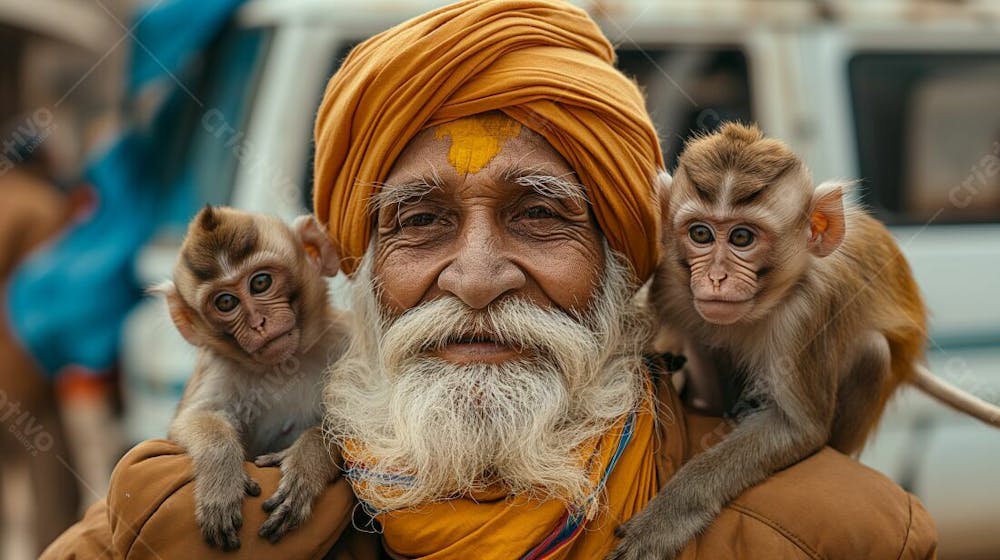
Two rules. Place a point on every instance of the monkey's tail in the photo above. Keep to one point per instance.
(954, 397)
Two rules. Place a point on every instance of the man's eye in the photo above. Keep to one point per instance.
(539, 213)
(418, 220)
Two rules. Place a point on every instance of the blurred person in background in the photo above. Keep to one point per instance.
(64, 302)
(34, 210)
(48, 454)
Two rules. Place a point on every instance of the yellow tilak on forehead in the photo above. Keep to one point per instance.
(476, 140)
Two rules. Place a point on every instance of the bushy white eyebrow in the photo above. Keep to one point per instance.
(559, 187)
(388, 195)
(551, 186)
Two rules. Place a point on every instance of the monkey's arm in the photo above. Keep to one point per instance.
(213, 442)
(766, 441)
(826, 506)
(306, 469)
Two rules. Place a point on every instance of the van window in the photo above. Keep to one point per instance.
(689, 89)
(208, 122)
(928, 135)
(339, 54)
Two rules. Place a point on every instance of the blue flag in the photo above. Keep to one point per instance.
(67, 302)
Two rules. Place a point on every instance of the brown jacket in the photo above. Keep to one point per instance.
(827, 507)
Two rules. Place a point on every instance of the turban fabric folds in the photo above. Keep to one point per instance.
(544, 63)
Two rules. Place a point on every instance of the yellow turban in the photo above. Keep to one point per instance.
(544, 63)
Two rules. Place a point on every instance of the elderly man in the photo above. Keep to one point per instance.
(486, 174)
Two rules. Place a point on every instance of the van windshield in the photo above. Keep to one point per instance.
(928, 135)
(203, 130)
(689, 89)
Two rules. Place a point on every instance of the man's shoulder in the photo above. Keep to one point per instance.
(831, 506)
(827, 506)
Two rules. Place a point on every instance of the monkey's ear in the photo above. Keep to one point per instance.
(207, 218)
(180, 312)
(662, 184)
(317, 245)
(827, 223)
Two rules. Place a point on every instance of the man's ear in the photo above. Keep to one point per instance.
(180, 312)
(317, 245)
(827, 224)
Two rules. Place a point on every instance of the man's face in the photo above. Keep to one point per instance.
(480, 209)
(496, 334)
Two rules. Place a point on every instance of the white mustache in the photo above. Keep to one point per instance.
(512, 322)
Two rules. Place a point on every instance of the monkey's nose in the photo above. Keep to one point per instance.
(259, 327)
(717, 280)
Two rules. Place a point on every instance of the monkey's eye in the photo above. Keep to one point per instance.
(701, 234)
(741, 237)
(260, 283)
(226, 302)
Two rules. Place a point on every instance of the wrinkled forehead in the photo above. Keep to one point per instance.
(775, 201)
(485, 149)
(238, 241)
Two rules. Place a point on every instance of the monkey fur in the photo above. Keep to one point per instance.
(249, 292)
(797, 289)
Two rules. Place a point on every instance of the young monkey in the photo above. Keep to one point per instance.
(250, 293)
(805, 295)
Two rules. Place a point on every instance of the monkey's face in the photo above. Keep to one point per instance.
(737, 241)
(254, 311)
(245, 287)
(738, 217)
(725, 262)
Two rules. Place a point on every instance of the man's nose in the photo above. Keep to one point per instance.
(480, 271)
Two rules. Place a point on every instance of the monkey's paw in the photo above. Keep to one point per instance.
(291, 504)
(219, 513)
(658, 534)
(271, 459)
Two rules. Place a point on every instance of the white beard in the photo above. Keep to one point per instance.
(458, 428)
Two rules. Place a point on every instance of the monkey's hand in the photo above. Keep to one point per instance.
(306, 468)
(664, 527)
(218, 501)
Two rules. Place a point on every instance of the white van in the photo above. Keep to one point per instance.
(903, 95)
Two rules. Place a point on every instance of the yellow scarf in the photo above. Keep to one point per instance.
(495, 525)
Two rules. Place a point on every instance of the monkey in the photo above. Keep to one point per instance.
(249, 292)
(803, 294)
